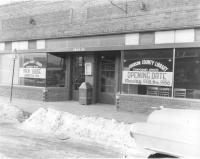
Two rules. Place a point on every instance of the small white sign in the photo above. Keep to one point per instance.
(20, 45)
(162, 37)
(88, 69)
(184, 36)
(147, 78)
(40, 44)
(2, 46)
(132, 39)
(32, 73)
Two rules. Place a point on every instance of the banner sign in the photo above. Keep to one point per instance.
(147, 78)
(32, 69)
(32, 73)
(148, 65)
(32, 63)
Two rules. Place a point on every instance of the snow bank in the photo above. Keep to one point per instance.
(100, 130)
(2, 156)
(47, 121)
(11, 113)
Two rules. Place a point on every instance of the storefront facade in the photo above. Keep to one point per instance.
(142, 69)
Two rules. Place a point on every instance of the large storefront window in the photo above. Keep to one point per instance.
(56, 70)
(32, 71)
(187, 73)
(148, 72)
(42, 70)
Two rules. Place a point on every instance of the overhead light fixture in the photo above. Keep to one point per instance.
(142, 6)
(32, 21)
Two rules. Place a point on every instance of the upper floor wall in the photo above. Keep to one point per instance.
(47, 19)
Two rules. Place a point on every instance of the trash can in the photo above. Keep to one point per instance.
(85, 93)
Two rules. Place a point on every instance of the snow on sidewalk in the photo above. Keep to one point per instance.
(10, 113)
(100, 130)
(2, 156)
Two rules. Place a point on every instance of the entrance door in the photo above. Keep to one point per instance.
(108, 78)
(78, 74)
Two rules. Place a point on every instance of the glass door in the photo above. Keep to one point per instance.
(78, 74)
(107, 79)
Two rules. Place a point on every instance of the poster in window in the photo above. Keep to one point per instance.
(32, 69)
(88, 69)
(147, 78)
(148, 72)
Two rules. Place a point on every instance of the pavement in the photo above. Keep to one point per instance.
(98, 110)
(19, 144)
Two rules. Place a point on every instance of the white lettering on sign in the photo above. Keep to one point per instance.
(148, 62)
(78, 49)
(137, 63)
(147, 78)
(32, 73)
(36, 63)
(156, 64)
(161, 66)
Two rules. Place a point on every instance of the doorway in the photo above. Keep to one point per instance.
(108, 72)
(78, 74)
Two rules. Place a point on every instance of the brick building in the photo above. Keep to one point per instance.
(146, 52)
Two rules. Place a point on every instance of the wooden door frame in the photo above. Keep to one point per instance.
(117, 55)
(72, 74)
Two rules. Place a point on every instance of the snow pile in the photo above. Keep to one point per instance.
(11, 113)
(108, 132)
(104, 131)
(2, 156)
(46, 121)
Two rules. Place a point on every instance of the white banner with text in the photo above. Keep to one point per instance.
(147, 78)
(32, 73)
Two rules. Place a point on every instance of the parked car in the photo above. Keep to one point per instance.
(174, 132)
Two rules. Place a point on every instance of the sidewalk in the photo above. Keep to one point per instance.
(98, 110)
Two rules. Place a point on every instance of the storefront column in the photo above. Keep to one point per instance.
(173, 69)
(67, 77)
(91, 79)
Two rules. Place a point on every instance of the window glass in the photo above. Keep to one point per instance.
(187, 73)
(107, 68)
(6, 67)
(78, 71)
(148, 72)
(32, 71)
(56, 70)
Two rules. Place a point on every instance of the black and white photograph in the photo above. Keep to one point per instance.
(99, 79)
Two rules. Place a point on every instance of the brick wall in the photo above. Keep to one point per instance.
(57, 94)
(35, 93)
(146, 104)
(37, 21)
(32, 93)
(91, 17)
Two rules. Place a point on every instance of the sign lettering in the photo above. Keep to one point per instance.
(32, 73)
(32, 69)
(152, 63)
(147, 78)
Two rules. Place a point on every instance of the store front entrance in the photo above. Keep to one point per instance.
(108, 72)
(103, 78)
(78, 74)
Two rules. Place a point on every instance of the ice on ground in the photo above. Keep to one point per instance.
(11, 113)
(100, 130)
(2, 156)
